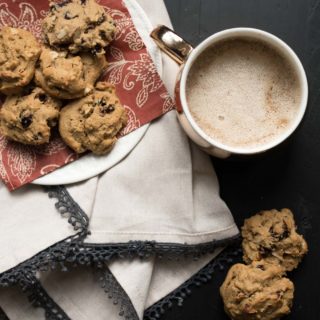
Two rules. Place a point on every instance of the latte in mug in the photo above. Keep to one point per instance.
(243, 93)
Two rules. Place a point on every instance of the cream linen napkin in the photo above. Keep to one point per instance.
(165, 192)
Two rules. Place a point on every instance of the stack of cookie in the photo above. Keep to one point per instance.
(260, 290)
(56, 82)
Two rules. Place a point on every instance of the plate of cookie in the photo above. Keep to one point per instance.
(66, 92)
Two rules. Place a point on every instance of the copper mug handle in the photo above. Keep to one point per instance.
(173, 45)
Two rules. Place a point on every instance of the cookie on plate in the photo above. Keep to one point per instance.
(29, 116)
(78, 25)
(258, 291)
(93, 122)
(271, 235)
(19, 52)
(66, 76)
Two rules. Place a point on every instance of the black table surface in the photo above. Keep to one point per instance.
(288, 176)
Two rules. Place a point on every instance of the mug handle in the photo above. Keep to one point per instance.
(173, 45)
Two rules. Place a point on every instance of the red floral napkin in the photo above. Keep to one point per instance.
(131, 69)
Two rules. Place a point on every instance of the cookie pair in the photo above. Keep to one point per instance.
(271, 247)
(90, 123)
(76, 34)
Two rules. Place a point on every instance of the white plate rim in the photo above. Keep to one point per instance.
(94, 165)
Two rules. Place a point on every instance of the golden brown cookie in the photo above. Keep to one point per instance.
(93, 122)
(66, 76)
(271, 235)
(78, 25)
(19, 52)
(29, 116)
(257, 291)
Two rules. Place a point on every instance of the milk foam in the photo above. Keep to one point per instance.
(243, 93)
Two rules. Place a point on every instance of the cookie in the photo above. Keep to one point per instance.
(66, 76)
(29, 116)
(271, 235)
(257, 291)
(78, 25)
(92, 123)
(19, 52)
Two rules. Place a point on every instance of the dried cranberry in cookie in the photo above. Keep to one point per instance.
(65, 76)
(29, 116)
(92, 123)
(78, 25)
(19, 52)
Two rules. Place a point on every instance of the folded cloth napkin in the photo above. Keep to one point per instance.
(140, 230)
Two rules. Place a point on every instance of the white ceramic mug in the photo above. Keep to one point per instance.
(184, 54)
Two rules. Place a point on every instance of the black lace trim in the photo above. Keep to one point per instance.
(101, 253)
(119, 297)
(72, 252)
(3, 316)
(179, 295)
(50, 258)
(67, 206)
(39, 298)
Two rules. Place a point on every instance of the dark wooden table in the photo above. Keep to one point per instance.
(286, 177)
